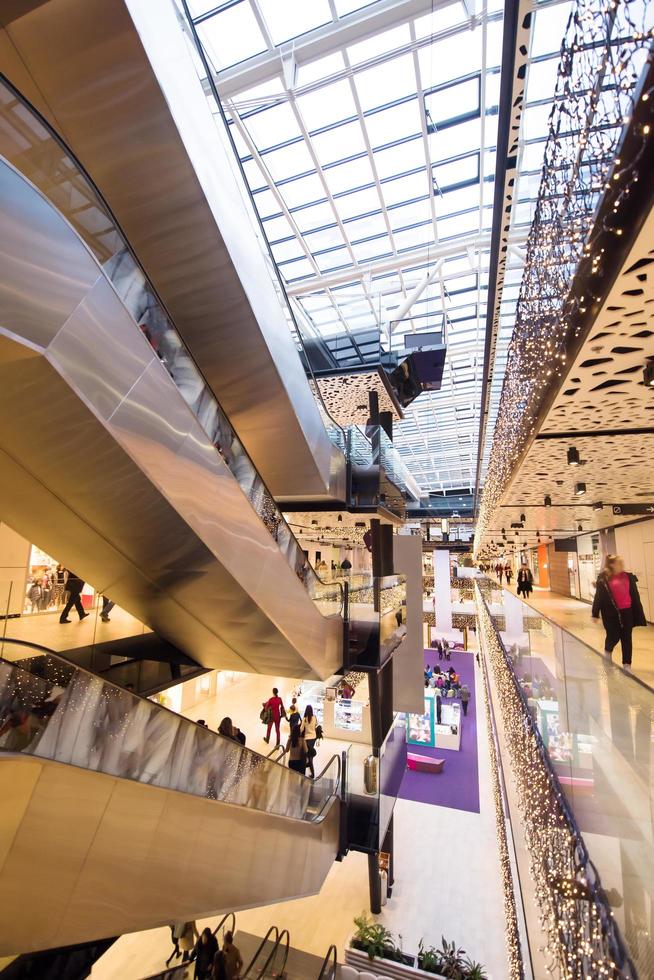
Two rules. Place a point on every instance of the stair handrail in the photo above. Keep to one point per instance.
(278, 748)
(332, 954)
(228, 915)
(273, 954)
(273, 929)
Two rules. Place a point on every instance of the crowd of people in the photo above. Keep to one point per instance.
(212, 961)
(446, 684)
(304, 731)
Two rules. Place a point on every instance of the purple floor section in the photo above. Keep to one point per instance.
(458, 785)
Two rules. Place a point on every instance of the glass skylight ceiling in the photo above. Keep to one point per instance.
(367, 135)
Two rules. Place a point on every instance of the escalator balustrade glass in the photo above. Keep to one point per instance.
(58, 711)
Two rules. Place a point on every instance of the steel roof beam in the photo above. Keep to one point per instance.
(322, 41)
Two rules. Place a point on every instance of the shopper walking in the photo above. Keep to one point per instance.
(508, 571)
(107, 606)
(185, 934)
(204, 954)
(74, 586)
(296, 748)
(618, 602)
(308, 730)
(219, 971)
(274, 708)
(525, 581)
(464, 694)
(233, 958)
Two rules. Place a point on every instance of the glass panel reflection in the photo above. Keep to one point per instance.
(60, 712)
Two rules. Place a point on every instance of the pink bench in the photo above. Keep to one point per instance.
(424, 763)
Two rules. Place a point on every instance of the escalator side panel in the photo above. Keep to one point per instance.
(91, 855)
(205, 542)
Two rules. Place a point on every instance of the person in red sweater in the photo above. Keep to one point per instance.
(276, 707)
(618, 602)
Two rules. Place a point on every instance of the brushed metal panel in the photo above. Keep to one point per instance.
(94, 855)
(180, 207)
(36, 245)
(99, 351)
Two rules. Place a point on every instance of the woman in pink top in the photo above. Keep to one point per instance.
(618, 603)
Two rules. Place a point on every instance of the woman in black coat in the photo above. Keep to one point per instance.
(525, 581)
(618, 603)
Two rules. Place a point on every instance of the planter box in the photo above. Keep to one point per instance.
(385, 968)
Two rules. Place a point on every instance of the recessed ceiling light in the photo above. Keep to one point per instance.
(580, 489)
(573, 456)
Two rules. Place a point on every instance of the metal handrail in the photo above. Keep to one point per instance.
(228, 915)
(332, 954)
(261, 945)
(277, 748)
(273, 954)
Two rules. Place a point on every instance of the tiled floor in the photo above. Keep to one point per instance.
(45, 628)
(447, 872)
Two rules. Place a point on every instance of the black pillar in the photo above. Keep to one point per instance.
(373, 407)
(374, 883)
(386, 422)
(377, 548)
(388, 848)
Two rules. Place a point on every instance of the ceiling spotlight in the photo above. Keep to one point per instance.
(503, 531)
(547, 501)
(340, 517)
(579, 527)
(573, 456)
(580, 489)
(523, 518)
(598, 505)
(648, 374)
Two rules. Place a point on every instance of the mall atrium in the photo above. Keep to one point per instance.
(326, 358)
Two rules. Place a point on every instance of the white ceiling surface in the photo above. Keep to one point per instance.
(603, 393)
(327, 102)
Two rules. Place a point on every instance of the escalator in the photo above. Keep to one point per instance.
(138, 481)
(135, 115)
(119, 815)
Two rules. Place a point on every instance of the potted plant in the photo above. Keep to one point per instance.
(377, 942)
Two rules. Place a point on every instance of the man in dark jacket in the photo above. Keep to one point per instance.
(618, 602)
(74, 587)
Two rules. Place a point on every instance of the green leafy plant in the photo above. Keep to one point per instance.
(375, 940)
(429, 958)
(474, 971)
(451, 960)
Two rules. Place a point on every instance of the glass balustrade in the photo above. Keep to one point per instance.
(597, 727)
(28, 143)
(377, 614)
(52, 709)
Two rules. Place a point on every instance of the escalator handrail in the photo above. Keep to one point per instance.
(30, 108)
(278, 748)
(261, 945)
(227, 915)
(332, 954)
(273, 953)
(337, 783)
(155, 706)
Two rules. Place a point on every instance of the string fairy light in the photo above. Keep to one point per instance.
(606, 49)
(582, 940)
(513, 947)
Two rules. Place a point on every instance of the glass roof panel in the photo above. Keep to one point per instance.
(434, 192)
(286, 19)
(232, 35)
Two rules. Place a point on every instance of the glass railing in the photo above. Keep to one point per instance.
(52, 709)
(29, 144)
(395, 467)
(376, 619)
(594, 724)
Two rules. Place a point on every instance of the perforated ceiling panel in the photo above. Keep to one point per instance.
(604, 411)
(346, 397)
